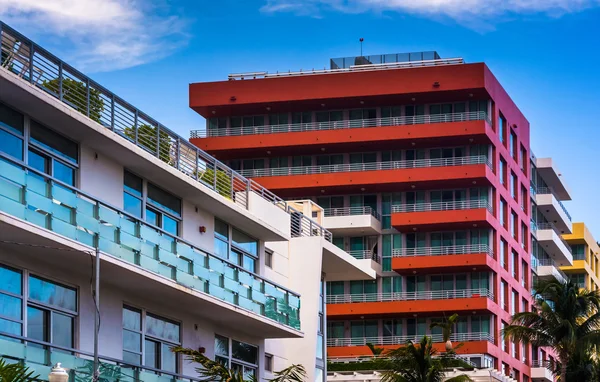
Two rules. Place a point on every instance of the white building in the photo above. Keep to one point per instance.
(192, 254)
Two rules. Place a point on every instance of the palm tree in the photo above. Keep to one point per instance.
(215, 371)
(447, 327)
(417, 363)
(15, 372)
(565, 318)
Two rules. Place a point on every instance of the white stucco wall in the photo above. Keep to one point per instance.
(101, 176)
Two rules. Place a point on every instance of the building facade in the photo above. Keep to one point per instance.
(422, 166)
(191, 253)
(586, 252)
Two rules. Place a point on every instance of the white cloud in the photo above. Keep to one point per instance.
(99, 35)
(463, 11)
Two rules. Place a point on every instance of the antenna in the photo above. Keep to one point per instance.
(361, 44)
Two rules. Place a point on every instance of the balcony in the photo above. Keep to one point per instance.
(541, 371)
(443, 259)
(352, 221)
(41, 356)
(548, 269)
(346, 135)
(364, 254)
(552, 208)
(459, 172)
(442, 215)
(35, 207)
(551, 240)
(381, 304)
(547, 169)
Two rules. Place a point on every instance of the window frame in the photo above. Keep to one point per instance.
(241, 252)
(230, 359)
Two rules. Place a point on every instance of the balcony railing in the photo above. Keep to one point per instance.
(551, 226)
(371, 166)
(402, 340)
(35, 65)
(443, 250)
(33, 196)
(352, 211)
(364, 254)
(342, 124)
(556, 271)
(80, 364)
(370, 358)
(541, 363)
(443, 206)
(550, 191)
(410, 296)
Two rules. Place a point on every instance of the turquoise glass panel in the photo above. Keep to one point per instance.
(64, 213)
(85, 238)
(167, 257)
(147, 249)
(149, 264)
(86, 207)
(166, 242)
(37, 184)
(149, 234)
(259, 297)
(12, 172)
(109, 216)
(64, 229)
(38, 201)
(35, 354)
(201, 271)
(229, 296)
(12, 208)
(130, 241)
(11, 190)
(87, 222)
(37, 218)
(166, 271)
(128, 226)
(12, 349)
(107, 231)
(185, 279)
(216, 291)
(215, 278)
(216, 265)
(64, 196)
(230, 284)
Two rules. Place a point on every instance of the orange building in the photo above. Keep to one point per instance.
(422, 167)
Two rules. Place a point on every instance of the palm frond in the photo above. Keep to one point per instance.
(15, 372)
(293, 373)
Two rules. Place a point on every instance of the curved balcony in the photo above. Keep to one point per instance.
(442, 215)
(443, 259)
(352, 221)
(402, 340)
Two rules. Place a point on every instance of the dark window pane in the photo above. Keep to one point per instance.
(54, 142)
(164, 200)
(10, 280)
(11, 119)
(162, 328)
(10, 327)
(249, 264)
(221, 248)
(64, 173)
(52, 294)
(62, 330)
(37, 324)
(11, 145)
(132, 204)
(38, 162)
(152, 217)
(168, 359)
(245, 242)
(10, 306)
(221, 345)
(133, 184)
(132, 319)
(244, 352)
(151, 356)
(221, 228)
(170, 225)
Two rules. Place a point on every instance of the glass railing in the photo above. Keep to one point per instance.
(342, 124)
(556, 272)
(402, 340)
(33, 196)
(409, 296)
(33, 64)
(351, 211)
(40, 356)
(550, 191)
(370, 166)
(551, 226)
(443, 206)
(443, 250)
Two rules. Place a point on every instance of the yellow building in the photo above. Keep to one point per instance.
(585, 269)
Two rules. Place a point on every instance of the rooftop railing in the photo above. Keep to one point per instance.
(352, 68)
(550, 191)
(443, 206)
(342, 124)
(402, 340)
(352, 211)
(80, 364)
(33, 196)
(409, 296)
(35, 65)
(369, 166)
(443, 250)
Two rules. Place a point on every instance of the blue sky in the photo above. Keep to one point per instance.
(545, 53)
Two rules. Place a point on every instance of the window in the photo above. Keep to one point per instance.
(268, 258)
(502, 171)
(268, 362)
(524, 272)
(523, 159)
(514, 185)
(514, 225)
(503, 212)
(503, 292)
(579, 279)
(513, 145)
(523, 200)
(50, 308)
(501, 127)
(239, 356)
(524, 236)
(503, 255)
(149, 202)
(151, 337)
(578, 251)
(514, 301)
(217, 123)
(236, 246)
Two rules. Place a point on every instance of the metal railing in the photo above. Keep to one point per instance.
(35, 65)
(402, 340)
(370, 166)
(551, 226)
(550, 191)
(364, 254)
(443, 250)
(370, 358)
(341, 124)
(352, 68)
(410, 296)
(42, 200)
(352, 211)
(443, 206)
(542, 363)
(556, 271)
(79, 363)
